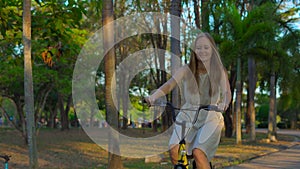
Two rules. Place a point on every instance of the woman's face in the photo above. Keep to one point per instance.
(203, 49)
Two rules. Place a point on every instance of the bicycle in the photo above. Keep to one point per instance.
(6, 159)
(184, 161)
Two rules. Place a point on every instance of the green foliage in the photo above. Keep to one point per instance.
(233, 17)
(10, 16)
(265, 32)
(12, 75)
(263, 113)
(8, 110)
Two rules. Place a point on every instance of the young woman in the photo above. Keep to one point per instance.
(204, 82)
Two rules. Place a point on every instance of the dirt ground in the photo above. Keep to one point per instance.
(74, 149)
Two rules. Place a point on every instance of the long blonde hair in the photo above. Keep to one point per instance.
(216, 66)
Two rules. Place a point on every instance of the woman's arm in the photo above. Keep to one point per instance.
(168, 86)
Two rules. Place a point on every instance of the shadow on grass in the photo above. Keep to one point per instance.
(74, 149)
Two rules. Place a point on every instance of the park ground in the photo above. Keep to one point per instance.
(74, 149)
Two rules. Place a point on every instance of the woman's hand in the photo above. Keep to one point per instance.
(149, 100)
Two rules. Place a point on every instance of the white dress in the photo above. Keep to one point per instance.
(205, 133)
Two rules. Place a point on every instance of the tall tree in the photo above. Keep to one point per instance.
(272, 111)
(233, 50)
(197, 13)
(251, 88)
(28, 85)
(288, 105)
(238, 103)
(281, 53)
(114, 160)
(175, 43)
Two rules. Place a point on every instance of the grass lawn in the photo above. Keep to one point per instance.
(74, 149)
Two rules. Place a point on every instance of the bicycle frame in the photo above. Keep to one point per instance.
(182, 157)
(183, 162)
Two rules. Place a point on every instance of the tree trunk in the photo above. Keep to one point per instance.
(28, 85)
(161, 43)
(204, 16)
(175, 44)
(114, 160)
(229, 125)
(53, 114)
(123, 86)
(238, 103)
(272, 113)
(247, 114)
(197, 14)
(293, 119)
(125, 101)
(252, 86)
(64, 112)
(42, 101)
(22, 122)
(228, 122)
(76, 122)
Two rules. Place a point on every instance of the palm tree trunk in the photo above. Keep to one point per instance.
(238, 103)
(229, 116)
(272, 113)
(252, 86)
(28, 86)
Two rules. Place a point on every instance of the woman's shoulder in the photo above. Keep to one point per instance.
(182, 70)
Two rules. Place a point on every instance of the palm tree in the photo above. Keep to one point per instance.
(243, 38)
(28, 85)
(288, 105)
(111, 111)
(233, 35)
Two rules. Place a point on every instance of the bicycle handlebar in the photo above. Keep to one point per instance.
(173, 108)
(5, 157)
(205, 107)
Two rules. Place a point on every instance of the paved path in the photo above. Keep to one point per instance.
(285, 159)
(282, 131)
